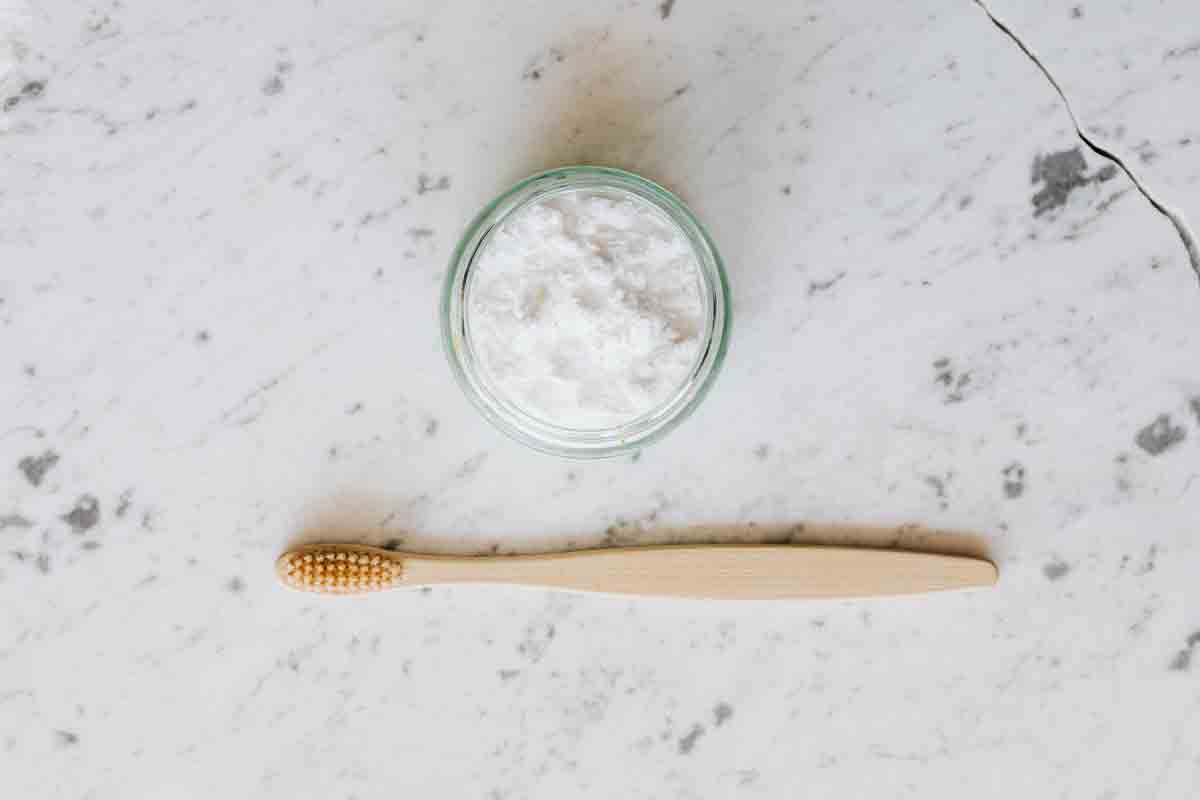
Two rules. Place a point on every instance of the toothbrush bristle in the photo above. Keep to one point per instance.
(340, 572)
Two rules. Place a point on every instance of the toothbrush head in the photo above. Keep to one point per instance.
(338, 569)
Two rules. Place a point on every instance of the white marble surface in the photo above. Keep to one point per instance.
(222, 230)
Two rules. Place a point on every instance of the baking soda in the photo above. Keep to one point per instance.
(585, 309)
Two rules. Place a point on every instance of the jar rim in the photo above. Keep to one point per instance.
(505, 414)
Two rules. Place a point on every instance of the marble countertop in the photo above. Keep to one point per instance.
(223, 228)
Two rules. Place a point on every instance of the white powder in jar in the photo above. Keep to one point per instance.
(585, 309)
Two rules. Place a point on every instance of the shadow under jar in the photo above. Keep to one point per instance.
(585, 312)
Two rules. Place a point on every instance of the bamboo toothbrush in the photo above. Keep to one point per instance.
(703, 571)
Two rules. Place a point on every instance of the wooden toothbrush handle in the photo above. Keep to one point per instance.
(715, 571)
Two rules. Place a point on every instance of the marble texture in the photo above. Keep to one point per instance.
(223, 228)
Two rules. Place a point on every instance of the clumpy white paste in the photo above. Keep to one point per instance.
(585, 309)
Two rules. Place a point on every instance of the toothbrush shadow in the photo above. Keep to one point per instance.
(913, 538)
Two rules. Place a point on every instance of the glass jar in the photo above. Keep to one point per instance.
(517, 422)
